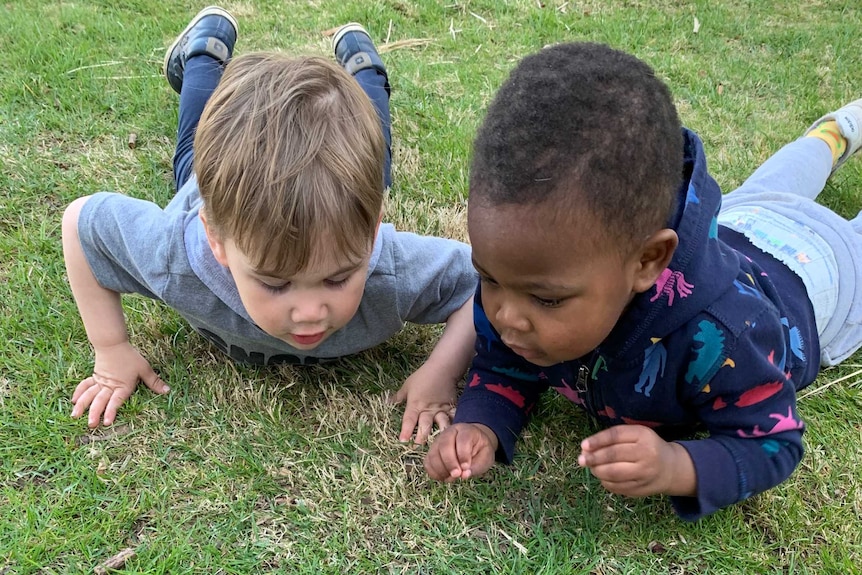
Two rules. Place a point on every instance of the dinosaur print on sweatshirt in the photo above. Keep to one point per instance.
(711, 348)
(506, 391)
(797, 345)
(655, 358)
(670, 282)
(785, 423)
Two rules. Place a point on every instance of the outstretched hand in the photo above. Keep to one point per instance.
(462, 451)
(116, 373)
(429, 399)
(632, 460)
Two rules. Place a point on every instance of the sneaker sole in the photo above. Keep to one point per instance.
(208, 11)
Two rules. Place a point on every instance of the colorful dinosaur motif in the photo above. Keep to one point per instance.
(655, 358)
(710, 350)
(668, 282)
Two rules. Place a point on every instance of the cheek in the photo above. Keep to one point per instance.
(348, 300)
(490, 304)
(263, 311)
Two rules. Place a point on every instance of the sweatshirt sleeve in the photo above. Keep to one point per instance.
(755, 434)
(435, 276)
(502, 388)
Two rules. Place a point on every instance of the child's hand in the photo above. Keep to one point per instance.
(632, 460)
(430, 398)
(463, 450)
(115, 376)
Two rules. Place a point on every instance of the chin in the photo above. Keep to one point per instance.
(543, 362)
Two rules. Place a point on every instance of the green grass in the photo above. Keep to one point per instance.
(243, 470)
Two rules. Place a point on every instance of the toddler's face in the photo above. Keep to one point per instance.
(552, 294)
(302, 310)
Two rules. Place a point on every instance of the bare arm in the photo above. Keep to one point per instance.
(118, 365)
(453, 352)
(430, 391)
(100, 308)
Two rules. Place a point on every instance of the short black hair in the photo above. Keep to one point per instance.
(589, 127)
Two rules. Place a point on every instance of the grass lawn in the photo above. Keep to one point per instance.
(255, 470)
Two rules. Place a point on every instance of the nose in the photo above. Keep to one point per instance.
(509, 318)
(308, 310)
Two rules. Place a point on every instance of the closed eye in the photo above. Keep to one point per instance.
(274, 288)
(548, 302)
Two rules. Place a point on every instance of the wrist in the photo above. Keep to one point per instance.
(108, 345)
(439, 367)
(489, 435)
(682, 477)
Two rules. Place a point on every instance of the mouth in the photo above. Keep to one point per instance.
(309, 339)
(525, 352)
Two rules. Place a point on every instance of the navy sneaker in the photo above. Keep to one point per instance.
(354, 49)
(212, 31)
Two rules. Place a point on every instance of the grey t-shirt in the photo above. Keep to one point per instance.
(134, 246)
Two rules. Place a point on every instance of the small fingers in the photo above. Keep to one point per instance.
(81, 388)
(612, 436)
(443, 419)
(84, 394)
(408, 424)
(452, 461)
(399, 396)
(436, 460)
(618, 472)
(114, 402)
(423, 429)
(97, 407)
(619, 453)
(157, 384)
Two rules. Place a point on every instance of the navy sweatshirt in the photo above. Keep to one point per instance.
(721, 344)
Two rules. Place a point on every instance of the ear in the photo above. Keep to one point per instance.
(216, 245)
(653, 257)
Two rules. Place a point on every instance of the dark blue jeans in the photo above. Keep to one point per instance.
(202, 75)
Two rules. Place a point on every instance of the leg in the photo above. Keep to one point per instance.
(193, 66)
(202, 75)
(775, 209)
(376, 86)
(356, 52)
(800, 168)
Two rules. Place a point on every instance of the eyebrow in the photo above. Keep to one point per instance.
(349, 268)
(532, 286)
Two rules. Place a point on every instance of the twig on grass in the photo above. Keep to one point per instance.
(830, 384)
(115, 562)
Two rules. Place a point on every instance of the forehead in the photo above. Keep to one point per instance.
(522, 244)
(324, 259)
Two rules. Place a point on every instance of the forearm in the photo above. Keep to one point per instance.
(453, 352)
(100, 309)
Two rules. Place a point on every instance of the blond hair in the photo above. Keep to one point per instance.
(289, 157)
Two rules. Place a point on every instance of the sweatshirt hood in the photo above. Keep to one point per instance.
(701, 269)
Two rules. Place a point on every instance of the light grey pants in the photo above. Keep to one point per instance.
(775, 209)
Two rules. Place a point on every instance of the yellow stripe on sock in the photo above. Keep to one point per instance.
(830, 133)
